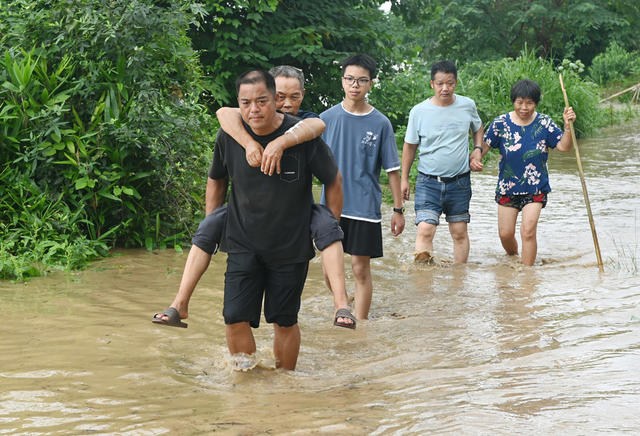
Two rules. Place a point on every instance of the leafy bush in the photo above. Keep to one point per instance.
(397, 94)
(39, 231)
(99, 110)
(489, 84)
(614, 65)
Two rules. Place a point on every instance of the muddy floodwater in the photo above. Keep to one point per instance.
(484, 348)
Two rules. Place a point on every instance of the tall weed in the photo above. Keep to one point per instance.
(38, 230)
(615, 64)
(489, 84)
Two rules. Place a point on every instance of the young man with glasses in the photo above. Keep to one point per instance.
(362, 141)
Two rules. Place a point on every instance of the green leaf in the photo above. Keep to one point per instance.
(11, 87)
(109, 196)
(55, 135)
(81, 183)
(531, 153)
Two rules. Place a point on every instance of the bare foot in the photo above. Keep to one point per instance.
(423, 257)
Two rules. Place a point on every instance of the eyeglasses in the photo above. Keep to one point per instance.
(362, 81)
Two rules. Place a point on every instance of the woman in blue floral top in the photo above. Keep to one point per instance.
(523, 137)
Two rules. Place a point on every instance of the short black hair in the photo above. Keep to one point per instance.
(526, 88)
(256, 76)
(361, 60)
(446, 67)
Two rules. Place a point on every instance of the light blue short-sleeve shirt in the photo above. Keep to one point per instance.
(442, 135)
(362, 145)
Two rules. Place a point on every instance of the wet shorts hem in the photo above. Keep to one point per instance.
(519, 201)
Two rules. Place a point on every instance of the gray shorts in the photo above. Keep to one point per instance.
(325, 229)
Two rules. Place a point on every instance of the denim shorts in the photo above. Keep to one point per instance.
(434, 198)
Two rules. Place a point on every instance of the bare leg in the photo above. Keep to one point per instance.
(240, 338)
(507, 229)
(197, 263)
(361, 267)
(286, 346)
(333, 268)
(528, 232)
(424, 237)
(460, 241)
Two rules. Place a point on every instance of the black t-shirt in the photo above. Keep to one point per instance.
(269, 215)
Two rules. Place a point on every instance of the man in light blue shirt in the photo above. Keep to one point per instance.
(438, 129)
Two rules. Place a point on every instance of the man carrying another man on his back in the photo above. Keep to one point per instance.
(261, 210)
(325, 230)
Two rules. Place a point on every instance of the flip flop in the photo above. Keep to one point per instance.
(344, 313)
(173, 321)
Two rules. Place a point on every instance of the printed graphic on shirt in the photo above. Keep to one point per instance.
(369, 142)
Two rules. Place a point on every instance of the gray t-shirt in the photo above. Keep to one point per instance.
(362, 145)
(442, 133)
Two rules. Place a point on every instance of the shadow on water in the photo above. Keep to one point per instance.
(490, 347)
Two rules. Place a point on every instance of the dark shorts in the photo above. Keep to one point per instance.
(434, 197)
(325, 229)
(209, 232)
(362, 238)
(521, 200)
(249, 278)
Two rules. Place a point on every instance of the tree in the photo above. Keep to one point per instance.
(313, 35)
(491, 29)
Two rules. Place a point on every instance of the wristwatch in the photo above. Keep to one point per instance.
(399, 210)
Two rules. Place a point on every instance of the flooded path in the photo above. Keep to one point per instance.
(484, 348)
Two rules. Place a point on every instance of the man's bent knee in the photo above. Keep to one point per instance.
(209, 232)
(325, 229)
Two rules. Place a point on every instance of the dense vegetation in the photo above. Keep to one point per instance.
(106, 107)
(101, 130)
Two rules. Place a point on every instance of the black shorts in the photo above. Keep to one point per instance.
(325, 229)
(249, 277)
(362, 238)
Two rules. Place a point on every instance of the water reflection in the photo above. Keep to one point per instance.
(490, 347)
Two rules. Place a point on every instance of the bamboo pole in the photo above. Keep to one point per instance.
(584, 185)
(634, 87)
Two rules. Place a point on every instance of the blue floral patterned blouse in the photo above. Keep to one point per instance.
(524, 152)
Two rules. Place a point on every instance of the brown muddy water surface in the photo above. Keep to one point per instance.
(484, 348)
